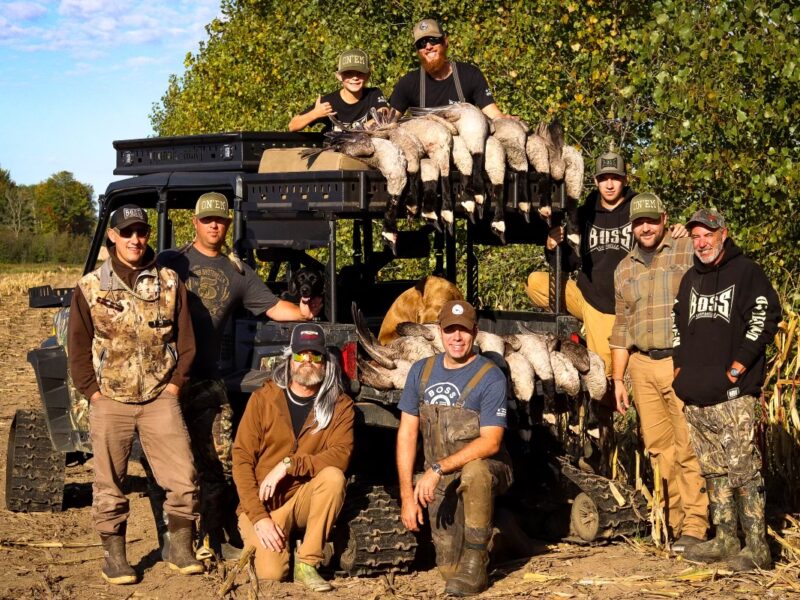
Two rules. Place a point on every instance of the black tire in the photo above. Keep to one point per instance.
(585, 518)
(34, 470)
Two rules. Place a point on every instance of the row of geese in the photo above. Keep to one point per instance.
(560, 364)
(424, 147)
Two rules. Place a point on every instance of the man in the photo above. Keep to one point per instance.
(646, 283)
(440, 81)
(130, 347)
(292, 448)
(725, 314)
(605, 239)
(216, 286)
(458, 400)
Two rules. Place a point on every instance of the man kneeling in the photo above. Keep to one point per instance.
(289, 457)
(458, 399)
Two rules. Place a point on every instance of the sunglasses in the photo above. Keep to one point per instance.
(307, 357)
(432, 40)
(128, 232)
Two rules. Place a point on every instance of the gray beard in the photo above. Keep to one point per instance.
(308, 377)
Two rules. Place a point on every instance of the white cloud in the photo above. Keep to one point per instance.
(23, 11)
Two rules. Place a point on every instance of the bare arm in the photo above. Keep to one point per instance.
(406, 453)
(619, 362)
(493, 112)
(288, 311)
(321, 109)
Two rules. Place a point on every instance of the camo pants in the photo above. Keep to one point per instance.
(209, 419)
(723, 436)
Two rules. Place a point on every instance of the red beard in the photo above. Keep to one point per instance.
(433, 66)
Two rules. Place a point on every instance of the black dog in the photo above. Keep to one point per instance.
(305, 284)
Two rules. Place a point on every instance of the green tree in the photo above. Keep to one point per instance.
(65, 204)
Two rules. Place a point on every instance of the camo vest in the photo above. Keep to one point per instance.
(133, 349)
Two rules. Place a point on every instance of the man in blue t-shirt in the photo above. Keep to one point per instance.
(458, 400)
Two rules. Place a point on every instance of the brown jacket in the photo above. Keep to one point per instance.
(265, 437)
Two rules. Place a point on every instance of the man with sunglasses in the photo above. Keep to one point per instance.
(291, 451)
(216, 286)
(351, 104)
(441, 81)
(130, 347)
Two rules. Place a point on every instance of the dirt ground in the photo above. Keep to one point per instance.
(58, 556)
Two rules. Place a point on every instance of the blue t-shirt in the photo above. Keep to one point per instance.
(488, 398)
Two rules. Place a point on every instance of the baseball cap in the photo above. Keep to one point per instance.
(211, 204)
(707, 217)
(127, 215)
(647, 205)
(308, 336)
(427, 28)
(354, 60)
(610, 162)
(458, 312)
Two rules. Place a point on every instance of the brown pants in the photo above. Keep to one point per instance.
(165, 443)
(666, 437)
(597, 324)
(314, 507)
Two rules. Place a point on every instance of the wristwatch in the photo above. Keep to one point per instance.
(734, 372)
(287, 462)
(437, 468)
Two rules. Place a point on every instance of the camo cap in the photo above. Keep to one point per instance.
(646, 205)
(427, 28)
(458, 312)
(211, 204)
(708, 218)
(354, 60)
(610, 162)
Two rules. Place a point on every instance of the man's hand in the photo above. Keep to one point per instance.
(621, 396)
(554, 237)
(267, 487)
(310, 308)
(172, 389)
(426, 487)
(270, 534)
(323, 109)
(411, 515)
(95, 396)
(678, 231)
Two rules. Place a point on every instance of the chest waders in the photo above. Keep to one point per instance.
(461, 512)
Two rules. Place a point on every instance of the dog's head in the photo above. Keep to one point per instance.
(307, 283)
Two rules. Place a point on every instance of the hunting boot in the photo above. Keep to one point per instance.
(472, 577)
(181, 556)
(116, 569)
(722, 513)
(308, 576)
(750, 502)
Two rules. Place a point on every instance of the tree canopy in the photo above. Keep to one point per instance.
(702, 98)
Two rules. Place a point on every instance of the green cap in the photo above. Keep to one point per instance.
(353, 60)
(708, 218)
(211, 204)
(610, 162)
(647, 205)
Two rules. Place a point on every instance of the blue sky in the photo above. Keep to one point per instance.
(77, 74)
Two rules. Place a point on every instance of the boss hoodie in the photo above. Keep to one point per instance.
(723, 313)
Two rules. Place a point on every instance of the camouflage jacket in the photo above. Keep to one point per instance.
(133, 347)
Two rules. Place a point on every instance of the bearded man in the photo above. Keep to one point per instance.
(289, 457)
(441, 81)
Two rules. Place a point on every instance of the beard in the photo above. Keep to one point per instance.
(710, 258)
(307, 374)
(435, 65)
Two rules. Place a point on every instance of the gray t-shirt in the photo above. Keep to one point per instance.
(215, 288)
(444, 387)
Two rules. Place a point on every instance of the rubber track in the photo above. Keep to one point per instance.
(376, 539)
(615, 520)
(35, 480)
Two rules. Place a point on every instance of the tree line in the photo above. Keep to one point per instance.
(51, 221)
(703, 98)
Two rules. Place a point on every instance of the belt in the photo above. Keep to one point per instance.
(656, 354)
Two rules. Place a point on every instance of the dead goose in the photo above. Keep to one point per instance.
(383, 378)
(534, 347)
(577, 354)
(464, 163)
(595, 379)
(490, 342)
(521, 374)
(565, 374)
(495, 168)
(512, 133)
(573, 182)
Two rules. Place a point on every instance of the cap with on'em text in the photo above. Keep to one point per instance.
(646, 205)
(211, 204)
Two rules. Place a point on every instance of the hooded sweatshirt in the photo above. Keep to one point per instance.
(606, 238)
(723, 313)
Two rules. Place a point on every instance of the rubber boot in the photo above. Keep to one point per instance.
(750, 503)
(722, 513)
(181, 556)
(472, 576)
(116, 569)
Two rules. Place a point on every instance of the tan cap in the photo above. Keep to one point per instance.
(211, 204)
(646, 205)
(458, 312)
(427, 28)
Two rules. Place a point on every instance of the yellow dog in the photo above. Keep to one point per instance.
(419, 304)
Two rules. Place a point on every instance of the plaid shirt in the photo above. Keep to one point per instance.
(644, 295)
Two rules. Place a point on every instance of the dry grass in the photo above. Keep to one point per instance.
(18, 282)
